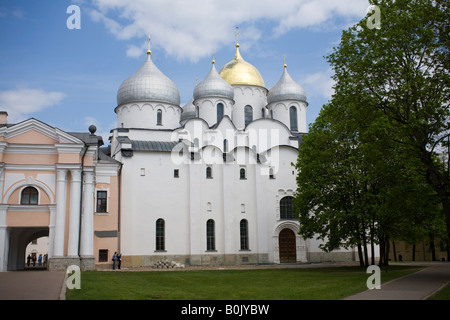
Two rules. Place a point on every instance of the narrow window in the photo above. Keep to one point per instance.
(176, 173)
(159, 117)
(293, 118)
(263, 113)
(102, 200)
(197, 112)
(103, 255)
(271, 175)
(242, 174)
(248, 111)
(210, 235)
(286, 208)
(219, 111)
(160, 235)
(208, 172)
(225, 145)
(29, 196)
(244, 234)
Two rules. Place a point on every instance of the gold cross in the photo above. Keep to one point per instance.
(149, 51)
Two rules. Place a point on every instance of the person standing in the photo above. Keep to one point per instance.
(114, 258)
(28, 260)
(40, 260)
(119, 260)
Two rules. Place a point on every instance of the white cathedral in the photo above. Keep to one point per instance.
(212, 182)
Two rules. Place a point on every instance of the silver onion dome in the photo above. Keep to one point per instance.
(286, 89)
(148, 84)
(189, 111)
(213, 86)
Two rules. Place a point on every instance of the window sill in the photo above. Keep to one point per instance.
(101, 213)
(160, 251)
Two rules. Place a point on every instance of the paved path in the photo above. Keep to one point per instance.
(31, 285)
(417, 286)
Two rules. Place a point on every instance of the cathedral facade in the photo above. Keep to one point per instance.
(212, 182)
(207, 183)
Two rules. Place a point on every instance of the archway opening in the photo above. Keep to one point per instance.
(36, 253)
(19, 239)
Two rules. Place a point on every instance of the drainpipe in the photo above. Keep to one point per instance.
(81, 197)
(119, 182)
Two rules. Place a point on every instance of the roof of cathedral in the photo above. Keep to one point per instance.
(286, 89)
(239, 71)
(148, 84)
(213, 86)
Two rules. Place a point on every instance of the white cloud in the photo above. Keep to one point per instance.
(193, 29)
(20, 103)
(319, 84)
(134, 51)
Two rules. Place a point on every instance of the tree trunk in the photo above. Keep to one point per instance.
(388, 249)
(432, 248)
(413, 258)
(393, 249)
(360, 255)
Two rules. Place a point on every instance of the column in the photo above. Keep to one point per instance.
(74, 214)
(51, 229)
(4, 239)
(60, 223)
(87, 223)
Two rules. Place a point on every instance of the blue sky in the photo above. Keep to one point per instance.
(69, 78)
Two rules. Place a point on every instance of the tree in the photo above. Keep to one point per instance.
(401, 69)
(356, 187)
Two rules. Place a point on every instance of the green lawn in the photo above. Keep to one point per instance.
(443, 294)
(257, 284)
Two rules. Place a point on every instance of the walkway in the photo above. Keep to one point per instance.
(31, 285)
(417, 286)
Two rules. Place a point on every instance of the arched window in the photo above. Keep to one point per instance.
(244, 234)
(286, 208)
(219, 111)
(242, 174)
(225, 145)
(160, 235)
(293, 118)
(210, 235)
(248, 111)
(29, 196)
(208, 172)
(159, 117)
(263, 113)
(197, 112)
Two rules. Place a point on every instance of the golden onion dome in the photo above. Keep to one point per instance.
(239, 71)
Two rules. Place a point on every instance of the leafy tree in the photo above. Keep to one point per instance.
(401, 69)
(368, 169)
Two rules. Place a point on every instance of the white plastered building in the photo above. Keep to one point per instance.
(212, 182)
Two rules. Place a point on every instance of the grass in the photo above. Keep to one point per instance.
(257, 284)
(443, 294)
